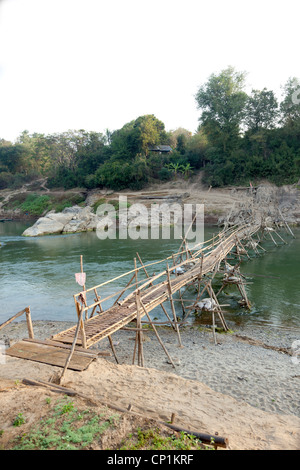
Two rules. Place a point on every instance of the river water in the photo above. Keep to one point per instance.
(40, 272)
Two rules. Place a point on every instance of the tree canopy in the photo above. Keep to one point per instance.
(241, 137)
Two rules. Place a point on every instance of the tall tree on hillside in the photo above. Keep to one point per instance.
(290, 105)
(261, 116)
(137, 136)
(261, 110)
(222, 103)
(149, 131)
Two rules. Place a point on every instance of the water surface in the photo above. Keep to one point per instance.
(40, 272)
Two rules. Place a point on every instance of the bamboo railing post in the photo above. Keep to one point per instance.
(81, 270)
(185, 235)
(116, 301)
(97, 300)
(145, 270)
(172, 306)
(29, 322)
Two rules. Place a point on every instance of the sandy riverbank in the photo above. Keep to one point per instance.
(247, 391)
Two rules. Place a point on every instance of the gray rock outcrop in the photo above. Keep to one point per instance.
(70, 220)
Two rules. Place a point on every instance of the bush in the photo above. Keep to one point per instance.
(164, 174)
(36, 205)
(6, 179)
(119, 175)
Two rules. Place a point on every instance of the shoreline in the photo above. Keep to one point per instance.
(250, 364)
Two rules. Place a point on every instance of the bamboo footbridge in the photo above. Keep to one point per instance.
(144, 298)
(196, 266)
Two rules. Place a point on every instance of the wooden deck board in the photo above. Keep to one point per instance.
(49, 354)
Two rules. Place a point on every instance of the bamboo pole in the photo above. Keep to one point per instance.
(139, 333)
(157, 335)
(145, 270)
(84, 297)
(113, 348)
(172, 305)
(279, 236)
(125, 288)
(269, 232)
(286, 224)
(135, 273)
(80, 311)
(73, 345)
(214, 327)
(219, 311)
(151, 284)
(180, 297)
(29, 323)
(7, 322)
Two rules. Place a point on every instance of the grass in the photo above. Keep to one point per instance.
(70, 425)
(152, 439)
(19, 420)
(65, 428)
(35, 204)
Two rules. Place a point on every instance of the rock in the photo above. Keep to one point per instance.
(44, 226)
(70, 220)
(81, 221)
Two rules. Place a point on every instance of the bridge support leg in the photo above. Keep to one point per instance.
(172, 306)
(139, 333)
(113, 349)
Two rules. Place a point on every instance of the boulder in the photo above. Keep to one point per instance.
(70, 220)
(44, 226)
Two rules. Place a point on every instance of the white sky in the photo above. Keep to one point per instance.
(97, 64)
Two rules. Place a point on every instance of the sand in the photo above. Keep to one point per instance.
(245, 390)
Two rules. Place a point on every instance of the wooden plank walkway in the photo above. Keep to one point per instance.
(111, 320)
(52, 354)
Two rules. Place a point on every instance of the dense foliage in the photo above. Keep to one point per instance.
(241, 137)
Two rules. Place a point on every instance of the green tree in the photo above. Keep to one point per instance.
(196, 148)
(14, 158)
(261, 110)
(290, 104)
(222, 103)
(149, 131)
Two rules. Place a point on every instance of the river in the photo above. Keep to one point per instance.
(40, 272)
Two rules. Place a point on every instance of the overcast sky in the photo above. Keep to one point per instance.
(98, 64)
